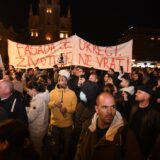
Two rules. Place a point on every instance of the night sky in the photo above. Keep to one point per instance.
(100, 22)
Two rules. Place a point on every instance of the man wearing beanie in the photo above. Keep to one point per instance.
(62, 103)
(84, 110)
(144, 121)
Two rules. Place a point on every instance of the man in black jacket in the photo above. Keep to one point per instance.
(12, 101)
(144, 121)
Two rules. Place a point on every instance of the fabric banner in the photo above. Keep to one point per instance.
(71, 51)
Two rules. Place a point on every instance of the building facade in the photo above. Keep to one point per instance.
(50, 25)
(146, 43)
(48, 22)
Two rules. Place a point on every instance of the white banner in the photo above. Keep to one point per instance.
(71, 51)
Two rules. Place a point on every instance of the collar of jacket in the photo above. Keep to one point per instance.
(113, 129)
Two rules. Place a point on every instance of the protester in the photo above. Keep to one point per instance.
(38, 115)
(110, 88)
(55, 73)
(28, 75)
(12, 101)
(101, 137)
(37, 72)
(136, 79)
(93, 78)
(62, 104)
(50, 84)
(67, 117)
(146, 77)
(107, 79)
(81, 81)
(145, 121)
(77, 78)
(84, 110)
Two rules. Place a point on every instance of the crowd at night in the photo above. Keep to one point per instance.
(79, 113)
(79, 80)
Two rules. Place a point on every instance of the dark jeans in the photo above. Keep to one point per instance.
(62, 137)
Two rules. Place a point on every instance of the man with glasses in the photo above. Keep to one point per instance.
(104, 137)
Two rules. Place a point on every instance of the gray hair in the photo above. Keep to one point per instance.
(8, 84)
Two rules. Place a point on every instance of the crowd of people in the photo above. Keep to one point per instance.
(78, 113)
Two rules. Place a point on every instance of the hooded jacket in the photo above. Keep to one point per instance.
(110, 146)
(38, 112)
(38, 117)
(69, 101)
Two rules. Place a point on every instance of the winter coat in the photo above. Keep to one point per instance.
(15, 107)
(82, 114)
(38, 117)
(149, 131)
(118, 143)
(69, 101)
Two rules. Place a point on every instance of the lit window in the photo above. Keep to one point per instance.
(48, 36)
(49, 10)
(63, 35)
(34, 33)
(66, 35)
(152, 38)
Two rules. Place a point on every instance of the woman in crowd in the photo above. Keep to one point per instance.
(38, 112)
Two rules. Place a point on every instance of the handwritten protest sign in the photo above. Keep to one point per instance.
(74, 50)
(90, 55)
(43, 56)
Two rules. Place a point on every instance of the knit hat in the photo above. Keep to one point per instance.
(64, 73)
(146, 89)
(91, 90)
